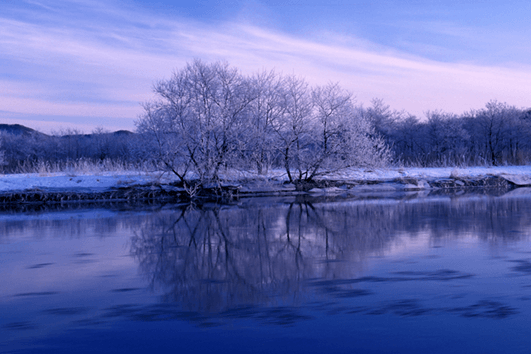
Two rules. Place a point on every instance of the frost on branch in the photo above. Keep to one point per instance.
(210, 117)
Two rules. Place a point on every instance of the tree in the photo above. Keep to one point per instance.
(383, 120)
(342, 134)
(491, 126)
(209, 116)
(292, 126)
(407, 141)
(199, 119)
(262, 144)
(446, 138)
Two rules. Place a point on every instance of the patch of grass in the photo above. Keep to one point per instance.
(74, 168)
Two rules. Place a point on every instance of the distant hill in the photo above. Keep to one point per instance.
(122, 132)
(17, 129)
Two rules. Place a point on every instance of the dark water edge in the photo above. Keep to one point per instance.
(230, 191)
(398, 272)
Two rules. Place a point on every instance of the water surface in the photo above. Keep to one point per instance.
(435, 274)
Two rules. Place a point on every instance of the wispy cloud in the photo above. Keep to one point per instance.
(103, 63)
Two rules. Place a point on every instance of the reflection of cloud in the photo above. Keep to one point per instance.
(102, 60)
(280, 254)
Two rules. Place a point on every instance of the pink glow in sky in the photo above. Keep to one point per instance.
(86, 64)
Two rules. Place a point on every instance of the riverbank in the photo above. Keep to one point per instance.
(140, 186)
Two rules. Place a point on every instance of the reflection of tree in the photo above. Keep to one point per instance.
(216, 258)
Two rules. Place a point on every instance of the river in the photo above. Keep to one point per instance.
(401, 274)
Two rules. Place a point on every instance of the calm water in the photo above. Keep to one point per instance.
(434, 274)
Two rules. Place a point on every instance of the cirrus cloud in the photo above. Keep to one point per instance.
(91, 62)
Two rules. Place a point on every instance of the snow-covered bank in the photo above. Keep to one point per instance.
(139, 185)
(429, 173)
(57, 181)
(86, 182)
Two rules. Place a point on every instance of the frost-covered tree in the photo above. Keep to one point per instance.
(293, 126)
(262, 144)
(342, 135)
(159, 126)
(383, 119)
(320, 131)
(199, 119)
(209, 116)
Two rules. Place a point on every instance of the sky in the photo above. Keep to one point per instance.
(83, 64)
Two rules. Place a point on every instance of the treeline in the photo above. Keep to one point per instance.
(210, 118)
(25, 150)
(498, 134)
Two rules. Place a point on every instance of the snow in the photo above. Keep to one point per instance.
(428, 173)
(103, 181)
(60, 181)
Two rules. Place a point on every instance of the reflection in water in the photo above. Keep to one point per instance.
(215, 259)
(364, 268)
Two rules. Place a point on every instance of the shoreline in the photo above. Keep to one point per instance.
(231, 191)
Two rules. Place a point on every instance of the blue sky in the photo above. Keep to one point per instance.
(82, 64)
